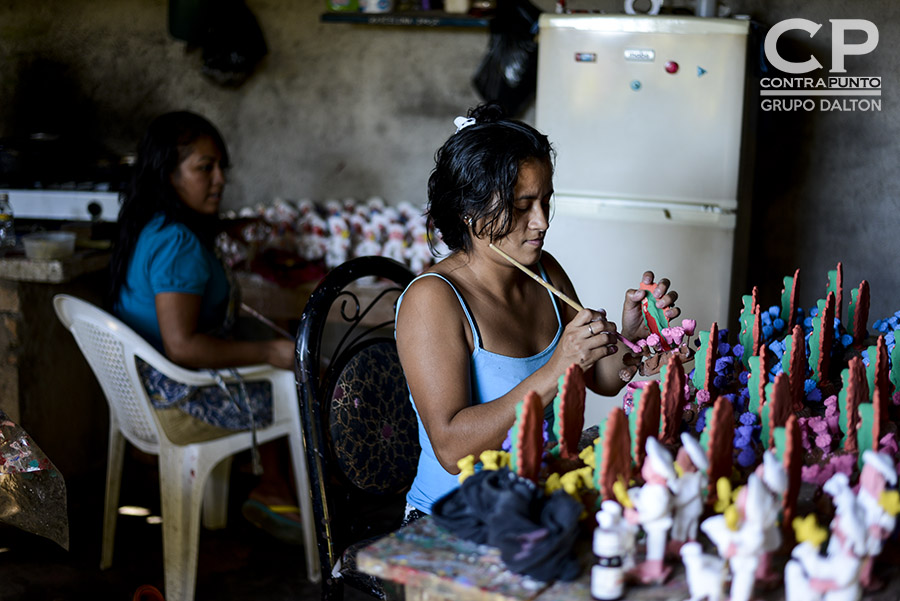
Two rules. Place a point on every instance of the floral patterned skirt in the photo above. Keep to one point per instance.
(231, 410)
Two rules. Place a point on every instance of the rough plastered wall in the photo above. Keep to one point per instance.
(826, 185)
(334, 110)
(341, 110)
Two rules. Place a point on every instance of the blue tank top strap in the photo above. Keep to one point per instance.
(476, 334)
(465, 307)
(544, 277)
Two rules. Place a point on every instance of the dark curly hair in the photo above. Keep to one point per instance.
(475, 176)
(167, 142)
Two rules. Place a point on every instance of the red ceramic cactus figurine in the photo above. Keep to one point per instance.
(568, 409)
(720, 452)
(793, 464)
(854, 392)
(528, 437)
(836, 287)
(879, 416)
(789, 299)
(781, 403)
(615, 463)
(798, 367)
(882, 379)
(858, 312)
(647, 420)
(672, 400)
(776, 410)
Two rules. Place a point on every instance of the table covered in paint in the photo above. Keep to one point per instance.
(434, 565)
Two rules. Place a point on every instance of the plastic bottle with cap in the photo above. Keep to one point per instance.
(608, 574)
(7, 224)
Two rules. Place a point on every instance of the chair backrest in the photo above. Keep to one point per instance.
(359, 428)
(110, 347)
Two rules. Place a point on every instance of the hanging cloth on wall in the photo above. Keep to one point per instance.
(233, 45)
(507, 74)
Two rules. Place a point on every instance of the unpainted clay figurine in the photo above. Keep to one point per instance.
(810, 576)
(774, 479)
(748, 542)
(652, 509)
(705, 572)
(687, 491)
(740, 543)
(878, 472)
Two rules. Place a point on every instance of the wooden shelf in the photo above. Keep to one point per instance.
(408, 19)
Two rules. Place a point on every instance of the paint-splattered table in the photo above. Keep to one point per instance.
(434, 565)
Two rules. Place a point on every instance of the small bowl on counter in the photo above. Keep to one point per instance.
(49, 246)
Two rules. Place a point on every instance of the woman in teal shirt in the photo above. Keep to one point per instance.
(169, 285)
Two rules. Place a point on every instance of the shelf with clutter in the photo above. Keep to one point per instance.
(421, 18)
(466, 14)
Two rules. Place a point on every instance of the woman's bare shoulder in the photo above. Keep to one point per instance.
(431, 297)
(431, 310)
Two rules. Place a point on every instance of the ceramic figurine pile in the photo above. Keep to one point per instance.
(771, 465)
(320, 236)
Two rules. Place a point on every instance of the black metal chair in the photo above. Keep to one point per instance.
(359, 428)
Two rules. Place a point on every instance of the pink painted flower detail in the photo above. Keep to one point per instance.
(823, 441)
(818, 425)
(702, 397)
(813, 474)
(653, 340)
(888, 443)
(804, 440)
(689, 326)
(843, 463)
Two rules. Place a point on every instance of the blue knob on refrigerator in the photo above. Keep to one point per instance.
(635, 85)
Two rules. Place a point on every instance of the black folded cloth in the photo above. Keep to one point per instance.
(535, 533)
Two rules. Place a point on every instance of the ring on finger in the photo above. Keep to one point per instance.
(590, 329)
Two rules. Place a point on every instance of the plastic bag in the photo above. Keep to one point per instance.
(32, 491)
(508, 73)
(233, 44)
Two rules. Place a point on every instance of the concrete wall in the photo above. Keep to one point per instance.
(341, 110)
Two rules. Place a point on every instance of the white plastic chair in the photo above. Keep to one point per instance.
(110, 348)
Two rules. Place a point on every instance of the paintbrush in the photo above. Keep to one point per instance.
(265, 320)
(572, 303)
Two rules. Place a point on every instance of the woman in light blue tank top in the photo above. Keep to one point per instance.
(479, 333)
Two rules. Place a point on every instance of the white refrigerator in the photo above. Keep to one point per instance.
(645, 113)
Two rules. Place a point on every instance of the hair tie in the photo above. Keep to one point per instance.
(462, 122)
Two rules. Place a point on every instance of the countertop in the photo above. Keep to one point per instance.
(18, 268)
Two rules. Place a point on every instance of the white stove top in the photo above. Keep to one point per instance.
(67, 205)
